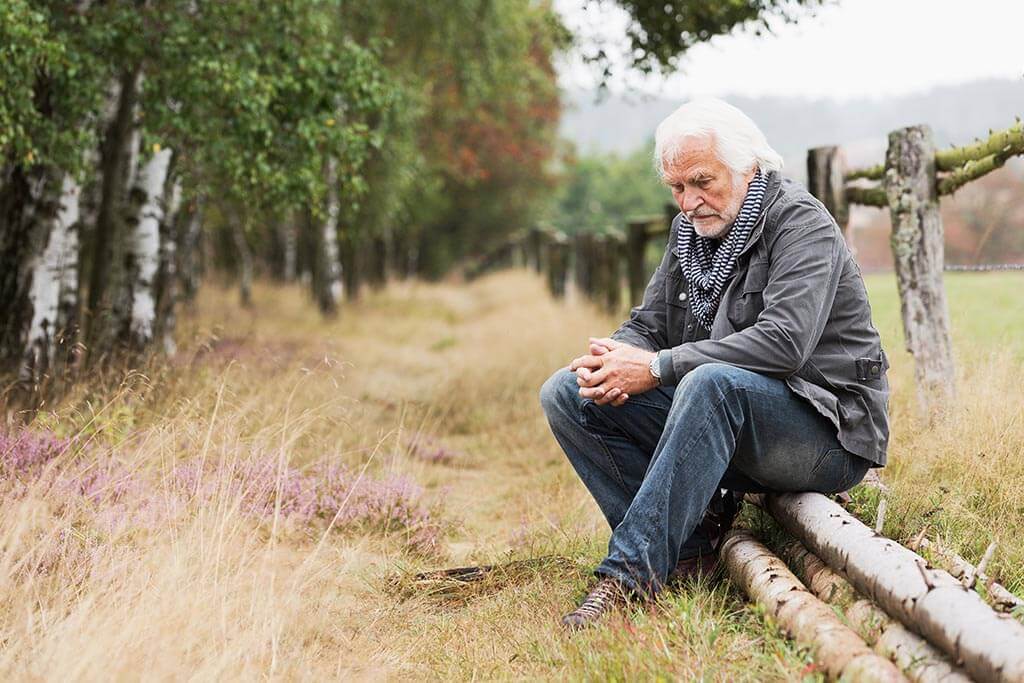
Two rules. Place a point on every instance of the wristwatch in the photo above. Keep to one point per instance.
(655, 367)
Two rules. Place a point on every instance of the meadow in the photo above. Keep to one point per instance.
(258, 506)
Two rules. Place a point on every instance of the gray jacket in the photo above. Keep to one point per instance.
(795, 308)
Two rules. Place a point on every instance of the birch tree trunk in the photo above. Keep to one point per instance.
(167, 273)
(289, 243)
(53, 296)
(244, 261)
(143, 261)
(917, 247)
(327, 288)
(928, 601)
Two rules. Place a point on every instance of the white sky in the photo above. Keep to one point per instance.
(848, 48)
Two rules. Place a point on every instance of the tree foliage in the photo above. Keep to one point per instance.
(661, 31)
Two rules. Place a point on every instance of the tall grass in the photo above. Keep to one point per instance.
(258, 506)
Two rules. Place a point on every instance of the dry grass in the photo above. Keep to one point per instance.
(199, 587)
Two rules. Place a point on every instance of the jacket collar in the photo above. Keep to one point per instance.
(773, 187)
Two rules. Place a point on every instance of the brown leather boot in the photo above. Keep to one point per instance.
(607, 595)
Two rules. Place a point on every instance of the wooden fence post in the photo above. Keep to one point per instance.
(917, 248)
(557, 261)
(825, 169)
(636, 249)
(610, 294)
(583, 266)
(534, 245)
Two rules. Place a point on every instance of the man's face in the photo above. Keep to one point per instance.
(705, 189)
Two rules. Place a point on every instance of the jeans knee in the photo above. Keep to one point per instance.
(710, 376)
(559, 392)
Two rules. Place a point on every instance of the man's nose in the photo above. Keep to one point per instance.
(691, 200)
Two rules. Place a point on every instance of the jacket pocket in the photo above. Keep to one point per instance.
(748, 301)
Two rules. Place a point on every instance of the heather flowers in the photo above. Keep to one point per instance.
(25, 453)
(429, 449)
(328, 495)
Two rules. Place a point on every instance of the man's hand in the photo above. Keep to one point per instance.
(613, 371)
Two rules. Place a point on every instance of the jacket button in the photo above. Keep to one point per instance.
(682, 296)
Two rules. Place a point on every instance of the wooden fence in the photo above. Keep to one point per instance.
(603, 267)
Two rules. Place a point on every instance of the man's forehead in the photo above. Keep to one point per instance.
(689, 170)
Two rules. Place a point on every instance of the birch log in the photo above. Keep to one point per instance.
(928, 601)
(917, 247)
(765, 577)
(1002, 599)
(144, 247)
(918, 659)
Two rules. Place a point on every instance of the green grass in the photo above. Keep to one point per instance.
(986, 311)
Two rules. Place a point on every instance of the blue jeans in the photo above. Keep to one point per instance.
(654, 463)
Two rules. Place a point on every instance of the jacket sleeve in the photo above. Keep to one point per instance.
(803, 275)
(646, 325)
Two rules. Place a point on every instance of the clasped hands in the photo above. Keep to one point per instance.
(613, 371)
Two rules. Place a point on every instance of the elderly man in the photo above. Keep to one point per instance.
(751, 364)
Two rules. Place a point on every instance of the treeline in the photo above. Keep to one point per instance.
(309, 139)
(599, 192)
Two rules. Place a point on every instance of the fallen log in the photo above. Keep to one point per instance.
(928, 601)
(915, 656)
(1002, 599)
(840, 651)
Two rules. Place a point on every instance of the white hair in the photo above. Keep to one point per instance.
(739, 143)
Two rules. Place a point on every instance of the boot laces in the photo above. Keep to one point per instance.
(606, 594)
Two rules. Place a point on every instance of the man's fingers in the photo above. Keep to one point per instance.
(620, 400)
(586, 362)
(595, 393)
(598, 349)
(606, 342)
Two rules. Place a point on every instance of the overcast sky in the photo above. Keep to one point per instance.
(849, 48)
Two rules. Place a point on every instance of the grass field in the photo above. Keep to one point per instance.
(257, 507)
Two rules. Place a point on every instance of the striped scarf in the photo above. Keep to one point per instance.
(708, 269)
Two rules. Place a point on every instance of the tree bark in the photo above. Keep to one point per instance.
(22, 239)
(928, 601)
(917, 246)
(915, 656)
(825, 167)
(189, 250)
(327, 287)
(144, 257)
(118, 155)
(166, 286)
(54, 290)
(244, 261)
(765, 577)
(289, 245)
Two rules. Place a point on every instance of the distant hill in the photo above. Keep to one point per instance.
(957, 114)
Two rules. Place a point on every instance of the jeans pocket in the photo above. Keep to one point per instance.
(831, 471)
